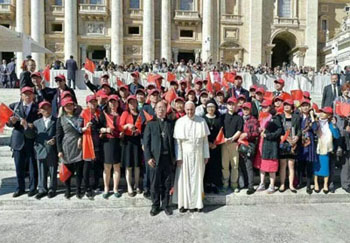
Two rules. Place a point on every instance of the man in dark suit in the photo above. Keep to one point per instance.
(11, 67)
(237, 90)
(279, 84)
(4, 73)
(331, 91)
(160, 156)
(44, 133)
(134, 86)
(25, 113)
(72, 67)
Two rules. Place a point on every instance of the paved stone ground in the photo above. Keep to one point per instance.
(264, 223)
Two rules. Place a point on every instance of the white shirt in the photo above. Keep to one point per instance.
(46, 121)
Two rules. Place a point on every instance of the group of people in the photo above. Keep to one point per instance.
(178, 142)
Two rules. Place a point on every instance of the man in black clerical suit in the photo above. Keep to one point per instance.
(160, 156)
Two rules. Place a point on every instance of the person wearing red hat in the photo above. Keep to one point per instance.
(135, 85)
(250, 134)
(69, 144)
(203, 98)
(326, 133)
(267, 155)
(174, 84)
(104, 81)
(198, 88)
(252, 91)
(278, 104)
(111, 145)
(56, 98)
(241, 99)
(288, 148)
(238, 90)
(179, 108)
(191, 96)
(44, 131)
(131, 147)
(279, 84)
(306, 95)
(233, 127)
(25, 113)
(123, 94)
(257, 100)
(41, 91)
(141, 98)
(307, 153)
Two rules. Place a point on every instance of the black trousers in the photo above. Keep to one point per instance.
(86, 174)
(246, 173)
(160, 179)
(98, 168)
(23, 158)
(302, 167)
(332, 162)
(76, 168)
(46, 169)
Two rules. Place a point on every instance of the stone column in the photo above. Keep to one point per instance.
(175, 54)
(148, 31)
(166, 30)
(22, 26)
(117, 32)
(108, 51)
(82, 53)
(256, 32)
(38, 30)
(70, 29)
(207, 41)
(311, 33)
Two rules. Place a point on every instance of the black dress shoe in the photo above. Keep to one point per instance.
(168, 211)
(250, 191)
(18, 193)
(67, 194)
(332, 190)
(182, 210)
(79, 195)
(293, 190)
(193, 210)
(154, 211)
(325, 191)
(51, 194)
(282, 190)
(317, 191)
(147, 194)
(40, 195)
(89, 194)
(309, 190)
(32, 193)
(299, 186)
(133, 194)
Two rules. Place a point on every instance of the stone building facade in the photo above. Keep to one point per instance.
(245, 31)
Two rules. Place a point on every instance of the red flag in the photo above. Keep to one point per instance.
(285, 136)
(224, 83)
(109, 121)
(46, 73)
(263, 115)
(64, 173)
(220, 138)
(217, 86)
(244, 142)
(280, 109)
(5, 114)
(268, 95)
(155, 78)
(315, 107)
(297, 94)
(119, 82)
(138, 124)
(209, 86)
(230, 77)
(88, 145)
(170, 95)
(171, 76)
(147, 116)
(286, 96)
(90, 65)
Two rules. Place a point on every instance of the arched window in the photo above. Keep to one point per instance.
(186, 5)
(134, 4)
(284, 8)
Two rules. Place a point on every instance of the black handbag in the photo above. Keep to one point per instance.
(247, 151)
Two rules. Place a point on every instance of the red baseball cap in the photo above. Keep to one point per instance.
(238, 77)
(241, 97)
(260, 90)
(43, 103)
(60, 77)
(306, 94)
(135, 74)
(67, 101)
(124, 87)
(151, 92)
(90, 98)
(153, 85)
(26, 89)
(131, 97)
(220, 92)
(327, 110)
(203, 93)
(141, 91)
(174, 82)
(288, 102)
(278, 98)
(232, 100)
(190, 90)
(35, 74)
(113, 97)
(65, 93)
(303, 101)
(102, 94)
(280, 81)
(253, 87)
(179, 99)
(198, 81)
(183, 81)
(247, 105)
(266, 103)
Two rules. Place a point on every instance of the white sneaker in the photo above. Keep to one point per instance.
(270, 190)
(260, 188)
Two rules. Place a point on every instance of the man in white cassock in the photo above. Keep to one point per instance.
(192, 153)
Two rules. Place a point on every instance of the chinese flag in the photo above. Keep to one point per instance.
(138, 124)
(280, 109)
(220, 138)
(230, 77)
(315, 107)
(285, 136)
(46, 73)
(109, 121)
(268, 95)
(217, 86)
(286, 96)
(263, 115)
(119, 82)
(338, 107)
(170, 95)
(155, 78)
(64, 173)
(90, 65)
(147, 115)
(224, 83)
(244, 142)
(5, 114)
(171, 76)
(88, 145)
(209, 86)
(297, 94)
(346, 110)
